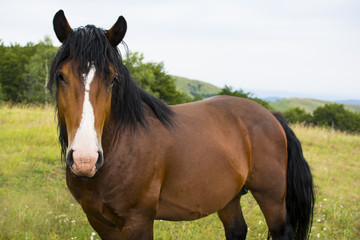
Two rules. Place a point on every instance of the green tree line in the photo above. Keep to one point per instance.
(334, 115)
(24, 72)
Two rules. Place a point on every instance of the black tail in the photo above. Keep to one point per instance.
(300, 197)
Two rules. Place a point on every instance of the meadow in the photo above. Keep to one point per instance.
(35, 202)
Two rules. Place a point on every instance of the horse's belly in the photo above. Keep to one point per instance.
(169, 211)
(191, 206)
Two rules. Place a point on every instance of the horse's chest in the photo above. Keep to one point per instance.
(92, 202)
(95, 207)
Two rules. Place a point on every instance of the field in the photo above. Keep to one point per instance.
(35, 202)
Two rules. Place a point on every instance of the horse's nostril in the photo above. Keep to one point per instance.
(70, 158)
(100, 160)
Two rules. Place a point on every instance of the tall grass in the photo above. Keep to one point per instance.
(35, 202)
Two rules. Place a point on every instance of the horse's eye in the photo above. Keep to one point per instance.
(59, 76)
(114, 80)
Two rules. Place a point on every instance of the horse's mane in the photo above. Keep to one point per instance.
(89, 44)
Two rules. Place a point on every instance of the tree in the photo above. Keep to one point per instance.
(2, 53)
(37, 72)
(227, 90)
(23, 71)
(336, 116)
(1, 94)
(198, 97)
(153, 78)
(297, 115)
(12, 71)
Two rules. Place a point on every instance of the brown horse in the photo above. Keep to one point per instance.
(132, 159)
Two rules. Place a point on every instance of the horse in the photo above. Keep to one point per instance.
(131, 158)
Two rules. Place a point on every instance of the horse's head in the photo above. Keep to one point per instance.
(84, 73)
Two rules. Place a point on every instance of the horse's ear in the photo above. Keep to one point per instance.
(117, 32)
(61, 26)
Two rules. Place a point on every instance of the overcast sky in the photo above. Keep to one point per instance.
(307, 48)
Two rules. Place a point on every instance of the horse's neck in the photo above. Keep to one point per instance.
(115, 135)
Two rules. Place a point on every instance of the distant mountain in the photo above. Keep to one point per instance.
(350, 101)
(273, 99)
(195, 87)
(308, 105)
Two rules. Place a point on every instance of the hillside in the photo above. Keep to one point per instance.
(308, 104)
(195, 87)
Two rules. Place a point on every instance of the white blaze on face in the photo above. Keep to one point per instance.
(85, 143)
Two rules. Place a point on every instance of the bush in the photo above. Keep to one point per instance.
(330, 115)
(336, 116)
(297, 115)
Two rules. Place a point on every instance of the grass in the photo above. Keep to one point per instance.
(35, 202)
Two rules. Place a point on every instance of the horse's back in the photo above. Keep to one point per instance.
(266, 138)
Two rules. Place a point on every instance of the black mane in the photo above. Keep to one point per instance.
(89, 44)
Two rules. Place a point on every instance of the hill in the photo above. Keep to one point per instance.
(195, 87)
(308, 104)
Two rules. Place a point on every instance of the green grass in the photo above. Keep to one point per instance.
(35, 202)
(309, 105)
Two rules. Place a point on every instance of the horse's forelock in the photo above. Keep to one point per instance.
(85, 47)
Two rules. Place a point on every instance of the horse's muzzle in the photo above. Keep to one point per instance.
(84, 164)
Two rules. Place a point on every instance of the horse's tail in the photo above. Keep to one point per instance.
(300, 197)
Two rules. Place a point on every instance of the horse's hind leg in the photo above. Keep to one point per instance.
(233, 220)
(273, 206)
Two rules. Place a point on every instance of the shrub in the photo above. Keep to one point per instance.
(336, 116)
(297, 115)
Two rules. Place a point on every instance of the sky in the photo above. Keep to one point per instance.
(288, 48)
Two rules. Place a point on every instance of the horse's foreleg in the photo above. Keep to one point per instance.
(138, 227)
(233, 220)
(106, 231)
